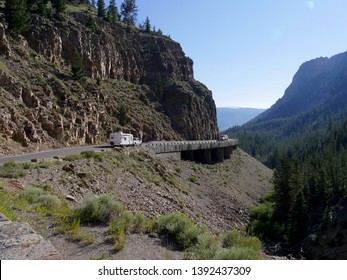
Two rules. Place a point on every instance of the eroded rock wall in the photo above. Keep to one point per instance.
(42, 106)
(109, 51)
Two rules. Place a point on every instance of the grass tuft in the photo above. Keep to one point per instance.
(13, 170)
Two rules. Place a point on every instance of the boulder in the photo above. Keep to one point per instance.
(18, 241)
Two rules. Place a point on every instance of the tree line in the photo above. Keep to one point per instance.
(308, 153)
(308, 185)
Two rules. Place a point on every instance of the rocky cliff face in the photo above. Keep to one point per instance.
(109, 51)
(147, 75)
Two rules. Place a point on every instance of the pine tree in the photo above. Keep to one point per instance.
(147, 25)
(129, 11)
(32, 3)
(91, 22)
(298, 220)
(122, 115)
(17, 16)
(59, 6)
(101, 9)
(77, 67)
(112, 12)
(281, 181)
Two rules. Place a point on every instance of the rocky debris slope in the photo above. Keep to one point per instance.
(18, 241)
(219, 196)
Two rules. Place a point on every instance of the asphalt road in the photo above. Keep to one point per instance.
(53, 153)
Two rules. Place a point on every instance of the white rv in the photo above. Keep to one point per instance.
(123, 139)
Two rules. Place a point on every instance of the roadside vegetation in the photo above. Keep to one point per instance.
(176, 230)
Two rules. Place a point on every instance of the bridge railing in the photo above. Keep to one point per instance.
(178, 146)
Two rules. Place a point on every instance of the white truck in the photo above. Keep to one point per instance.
(124, 139)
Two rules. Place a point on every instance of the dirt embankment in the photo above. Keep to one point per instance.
(219, 196)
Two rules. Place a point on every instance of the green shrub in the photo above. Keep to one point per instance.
(99, 209)
(205, 249)
(72, 224)
(6, 205)
(123, 115)
(180, 229)
(238, 253)
(263, 212)
(32, 194)
(98, 81)
(117, 234)
(83, 235)
(72, 157)
(49, 201)
(109, 207)
(88, 154)
(235, 238)
(79, 234)
(139, 223)
(270, 229)
(12, 170)
(120, 240)
(91, 154)
(127, 219)
(193, 179)
(27, 165)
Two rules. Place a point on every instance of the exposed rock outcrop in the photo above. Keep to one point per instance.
(18, 241)
(191, 109)
(109, 51)
(147, 75)
(5, 48)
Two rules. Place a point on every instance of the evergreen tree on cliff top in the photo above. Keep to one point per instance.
(59, 6)
(17, 15)
(101, 9)
(147, 25)
(129, 11)
(112, 12)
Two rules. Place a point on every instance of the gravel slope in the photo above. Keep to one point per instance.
(219, 196)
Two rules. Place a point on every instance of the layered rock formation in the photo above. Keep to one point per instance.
(109, 51)
(146, 74)
(18, 241)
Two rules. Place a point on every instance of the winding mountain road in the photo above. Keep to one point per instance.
(52, 153)
(205, 150)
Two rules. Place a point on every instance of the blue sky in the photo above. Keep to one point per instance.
(247, 51)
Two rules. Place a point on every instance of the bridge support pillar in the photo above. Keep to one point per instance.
(199, 156)
(218, 154)
(228, 152)
(187, 155)
(207, 156)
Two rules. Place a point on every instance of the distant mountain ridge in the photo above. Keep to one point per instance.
(228, 117)
(318, 82)
(314, 101)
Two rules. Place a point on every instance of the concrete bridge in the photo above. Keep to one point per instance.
(200, 151)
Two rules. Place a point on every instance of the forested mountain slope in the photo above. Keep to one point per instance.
(315, 100)
(304, 137)
(319, 82)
